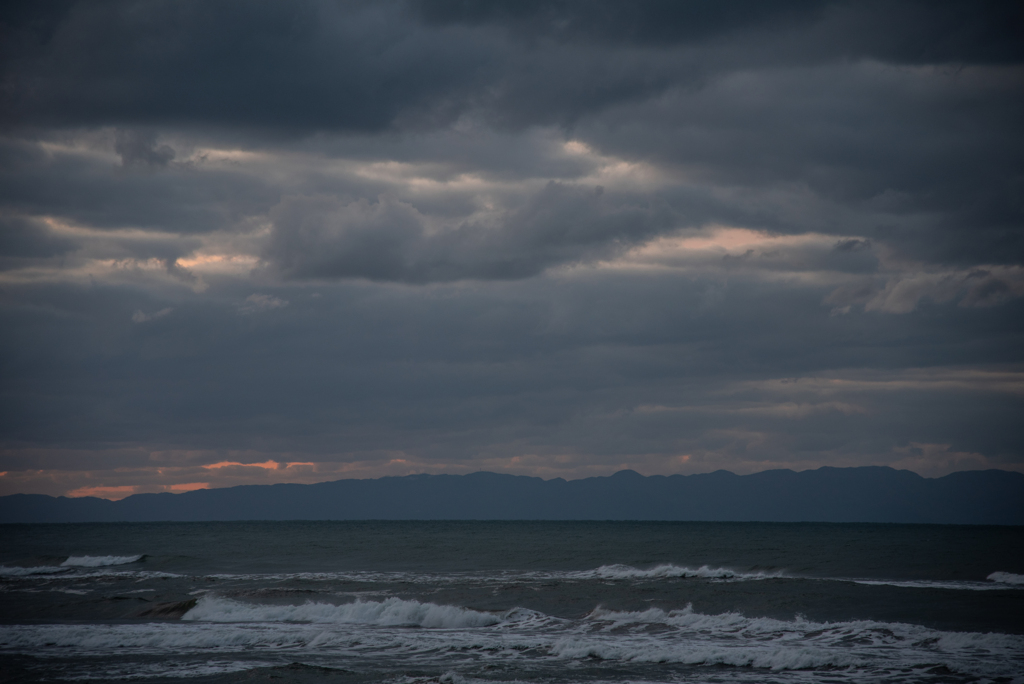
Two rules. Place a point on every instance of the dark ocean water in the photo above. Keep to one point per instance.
(511, 601)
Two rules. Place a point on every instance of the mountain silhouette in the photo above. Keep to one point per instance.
(866, 494)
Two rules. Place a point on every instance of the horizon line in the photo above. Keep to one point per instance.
(186, 488)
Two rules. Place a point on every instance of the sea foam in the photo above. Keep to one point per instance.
(869, 650)
(391, 612)
(648, 651)
(829, 633)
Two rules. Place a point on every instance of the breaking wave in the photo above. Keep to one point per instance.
(688, 620)
(99, 561)
(391, 612)
(1006, 578)
(787, 644)
(652, 636)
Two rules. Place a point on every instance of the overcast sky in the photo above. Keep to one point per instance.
(253, 242)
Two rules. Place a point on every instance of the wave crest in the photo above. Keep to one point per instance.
(99, 561)
(1006, 578)
(390, 612)
(872, 649)
(667, 570)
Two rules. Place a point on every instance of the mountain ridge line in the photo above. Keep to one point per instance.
(827, 494)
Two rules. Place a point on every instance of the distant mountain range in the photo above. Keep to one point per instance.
(869, 494)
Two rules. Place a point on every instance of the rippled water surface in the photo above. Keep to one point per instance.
(506, 601)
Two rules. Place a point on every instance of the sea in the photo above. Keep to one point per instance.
(468, 602)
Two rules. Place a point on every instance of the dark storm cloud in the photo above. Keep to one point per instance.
(610, 368)
(657, 22)
(26, 238)
(355, 65)
(140, 147)
(553, 238)
(368, 66)
(927, 153)
(142, 188)
(744, 94)
(388, 240)
(910, 32)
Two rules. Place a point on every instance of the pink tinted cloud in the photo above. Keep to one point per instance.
(188, 486)
(267, 465)
(118, 492)
(113, 493)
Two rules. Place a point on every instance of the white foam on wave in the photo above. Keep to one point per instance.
(177, 670)
(1006, 578)
(863, 648)
(864, 631)
(99, 561)
(667, 570)
(392, 612)
(768, 656)
(733, 639)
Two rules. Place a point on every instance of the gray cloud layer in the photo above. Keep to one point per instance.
(553, 238)
(316, 237)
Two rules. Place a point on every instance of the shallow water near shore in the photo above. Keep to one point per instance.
(511, 601)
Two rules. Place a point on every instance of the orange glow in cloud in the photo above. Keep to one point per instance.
(188, 487)
(115, 493)
(268, 465)
(723, 237)
(738, 240)
(112, 493)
